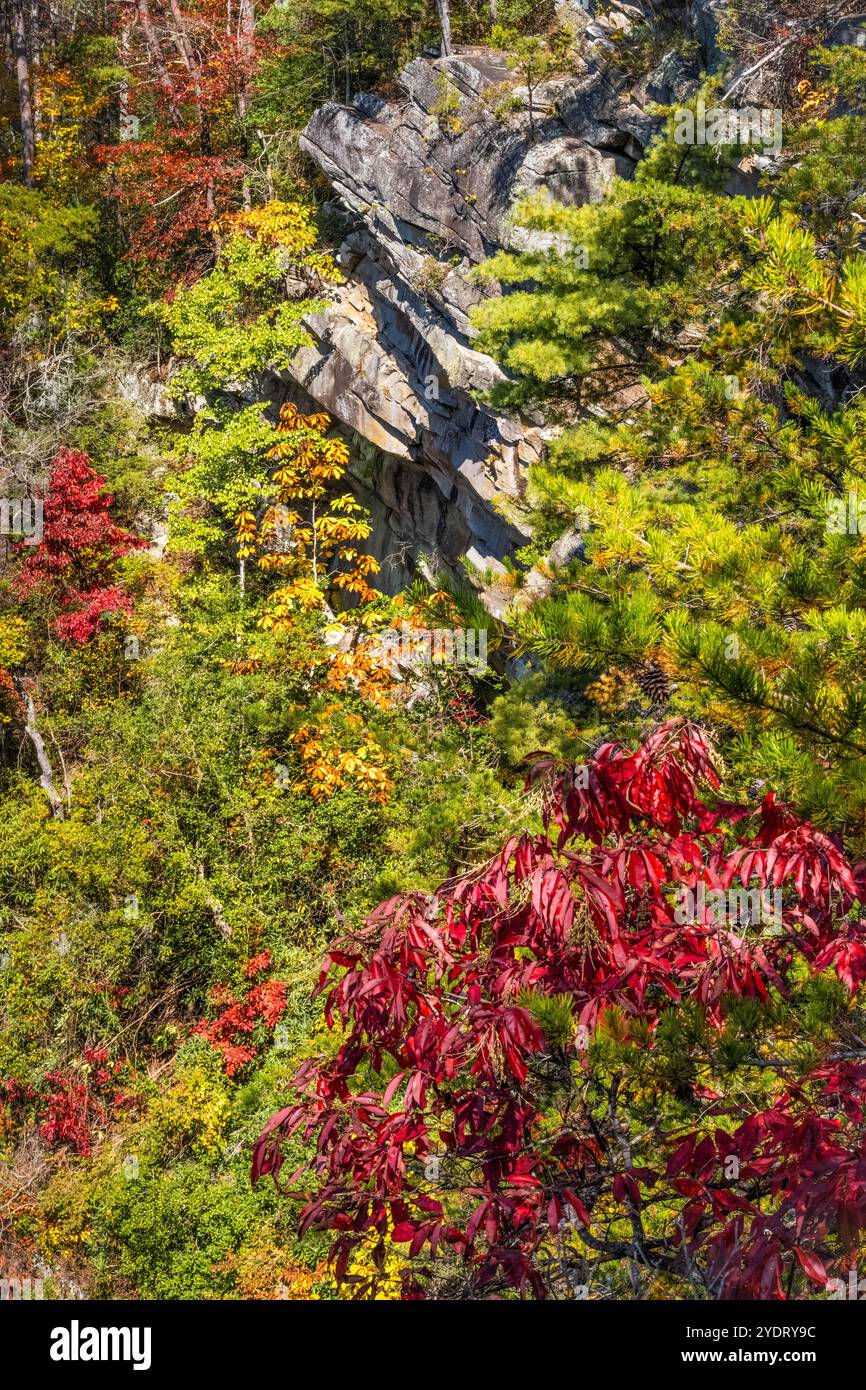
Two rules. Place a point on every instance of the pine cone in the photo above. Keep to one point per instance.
(653, 682)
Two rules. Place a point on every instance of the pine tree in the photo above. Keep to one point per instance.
(622, 286)
(722, 523)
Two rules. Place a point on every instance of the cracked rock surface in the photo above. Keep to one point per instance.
(427, 184)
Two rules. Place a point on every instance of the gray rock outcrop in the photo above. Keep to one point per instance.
(427, 186)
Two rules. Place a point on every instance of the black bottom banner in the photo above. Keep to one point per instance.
(85, 1340)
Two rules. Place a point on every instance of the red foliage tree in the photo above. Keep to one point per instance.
(75, 1105)
(74, 565)
(245, 1022)
(195, 65)
(442, 1001)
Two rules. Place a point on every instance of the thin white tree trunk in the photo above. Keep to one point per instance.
(444, 14)
(31, 729)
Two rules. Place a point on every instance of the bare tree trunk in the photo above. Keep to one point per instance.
(269, 173)
(155, 53)
(247, 52)
(25, 97)
(444, 14)
(35, 66)
(123, 122)
(190, 61)
(31, 729)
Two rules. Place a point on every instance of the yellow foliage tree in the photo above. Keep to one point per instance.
(13, 645)
(330, 765)
(66, 111)
(312, 536)
(307, 533)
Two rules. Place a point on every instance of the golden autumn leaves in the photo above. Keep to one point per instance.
(313, 538)
(308, 534)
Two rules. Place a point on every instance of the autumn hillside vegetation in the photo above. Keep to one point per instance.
(325, 975)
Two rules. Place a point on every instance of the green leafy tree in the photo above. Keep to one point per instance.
(246, 314)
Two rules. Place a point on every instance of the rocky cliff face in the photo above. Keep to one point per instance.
(426, 185)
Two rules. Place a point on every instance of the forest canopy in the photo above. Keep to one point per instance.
(498, 932)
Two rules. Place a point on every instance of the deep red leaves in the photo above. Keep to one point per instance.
(76, 1103)
(245, 1022)
(74, 565)
(427, 997)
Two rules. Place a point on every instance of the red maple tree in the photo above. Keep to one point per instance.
(74, 566)
(443, 1002)
(244, 1023)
